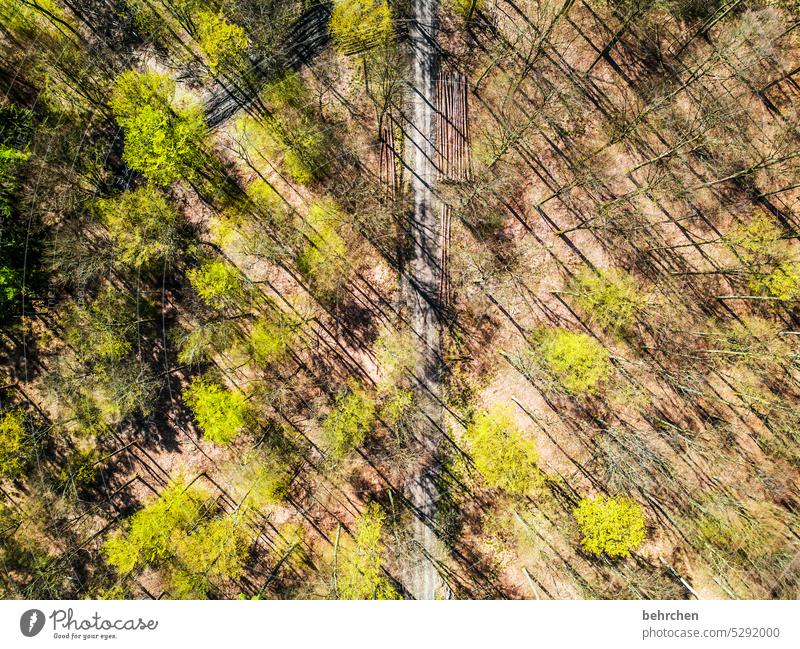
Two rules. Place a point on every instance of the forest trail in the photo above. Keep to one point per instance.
(423, 294)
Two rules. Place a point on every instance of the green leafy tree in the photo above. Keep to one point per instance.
(613, 526)
(467, 9)
(101, 332)
(16, 129)
(272, 337)
(10, 291)
(610, 298)
(80, 471)
(221, 413)
(397, 406)
(358, 25)
(218, 283)
(322, 261)
(42, 16)
(505, 457)
(100, 376)
(781, 283)
(223, 43)
(290, 132)
(360, 575)
(347, 425)
(142, 224)
(17, 445)
(260, 479)
(577, 361)
(773, 270)
(217, 548)
(162, 141)
(759, 240)
(205, 339)
(151, 535)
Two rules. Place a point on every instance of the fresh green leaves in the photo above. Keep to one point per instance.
(773, 269)
(218, 283)
(152, 532)
(505, 457)
(358, 25)
(17, 446)
(162, 141)
(360, 575)
(221, 413)
(577, 361)
(223, 43)
(347, 425)
(610, 298)
(142, 224)
(613, 526)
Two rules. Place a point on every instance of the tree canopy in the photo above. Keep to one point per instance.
(505, 457)
(163, 140)
(221, 413)
(613, 526)
(359, 573)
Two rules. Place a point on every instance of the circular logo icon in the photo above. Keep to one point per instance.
(31, 622)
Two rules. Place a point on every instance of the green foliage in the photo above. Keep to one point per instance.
(204, 340)
(505, 457)
(261, 479)
(16, 128)
(17, 446)
(151, 535)
(42, 16)
(347, 425)
(693, 10)
(291, 131)
(397, 354)
(265, 196)
(397, 407)
(610, 298)
(80, 471)
(359, 575)
(305, 153)
(218, 548)
(179, 533)
(218, 283)
(100, 332)
(162, 141)
(142, 224)
(759, 240)
(108, 382)
(358, 25)
(577, 361)
(613, 526)
(223, 43)
(467, 9)
(10, 291)
(221, 413)
(772, 265)
(289, 544)
(184, 584)
(272, 337)
(782, 283)
(287, 92)
(323, 259)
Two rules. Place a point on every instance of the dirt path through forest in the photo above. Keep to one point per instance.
(423, 286)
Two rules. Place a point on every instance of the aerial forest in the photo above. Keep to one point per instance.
(400, 299)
